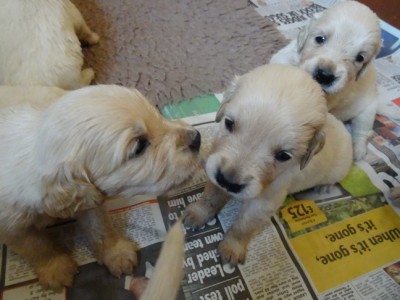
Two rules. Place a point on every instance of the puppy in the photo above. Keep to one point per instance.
(275, 137)
(338, 48)
(39, 44)
(64, 157)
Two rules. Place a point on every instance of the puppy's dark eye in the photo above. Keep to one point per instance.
(141, 145)
(360, 58)
(229, 124)
(282, 156)
(320, 39)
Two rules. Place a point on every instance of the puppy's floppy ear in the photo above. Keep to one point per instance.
(361, 72)
(303, 33)
(314, 146)
(228, 94)
(68, 190)
(220, 112)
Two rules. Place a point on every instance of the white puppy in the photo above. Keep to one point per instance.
(338, 47)
(63, 156)
(39, 44)
(269, 143)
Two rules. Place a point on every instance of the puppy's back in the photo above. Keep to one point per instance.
(20, 110)
(38, 44)
(332, 163)
(16, 96)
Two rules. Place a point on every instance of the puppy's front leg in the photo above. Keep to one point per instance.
(84, 33)
(111, 249)
(54, 267)
(199, 213)
(361, 127)
(254, 215)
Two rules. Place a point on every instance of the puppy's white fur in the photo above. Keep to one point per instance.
(349, 29)
(270, 108)
(63, 156)
(39, 44)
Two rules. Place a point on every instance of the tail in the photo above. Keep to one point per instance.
(167, 275)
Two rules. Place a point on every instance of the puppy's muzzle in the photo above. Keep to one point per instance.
(196, 141)
(324, 77)
(227, 184)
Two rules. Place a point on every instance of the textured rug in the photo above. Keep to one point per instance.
(176, 49)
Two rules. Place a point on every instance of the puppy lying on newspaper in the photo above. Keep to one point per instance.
(338, 47)
(64, 153)
(275, 137)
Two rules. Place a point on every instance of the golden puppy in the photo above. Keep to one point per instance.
(39, 44)
(62, 158)
(338, 47)
(275, 137)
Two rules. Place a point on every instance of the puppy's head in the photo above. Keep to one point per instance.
(110, 140)
(270, 127)
(337, 45)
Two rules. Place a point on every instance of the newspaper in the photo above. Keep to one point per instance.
(338, 244)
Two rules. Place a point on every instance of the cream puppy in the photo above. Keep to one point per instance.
(39, 44)
(269, 144)
(63, 156)
(338, 47)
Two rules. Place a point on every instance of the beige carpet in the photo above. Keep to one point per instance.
(176, 49)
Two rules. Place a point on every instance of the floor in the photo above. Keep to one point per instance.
(387, 10)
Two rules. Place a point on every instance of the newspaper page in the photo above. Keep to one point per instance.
(290, 15)
(388, 67)
(338, 243)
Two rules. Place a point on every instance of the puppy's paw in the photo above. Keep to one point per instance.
(197, 214)
(87, 76)
(120, 258)
(91, 39)
(57, 272)
(232, 250)
(359, 151)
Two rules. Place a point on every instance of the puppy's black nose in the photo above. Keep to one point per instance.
(324, 76)
(230, 186)
(196, 141)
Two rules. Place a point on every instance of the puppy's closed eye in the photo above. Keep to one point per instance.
(139, 146)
